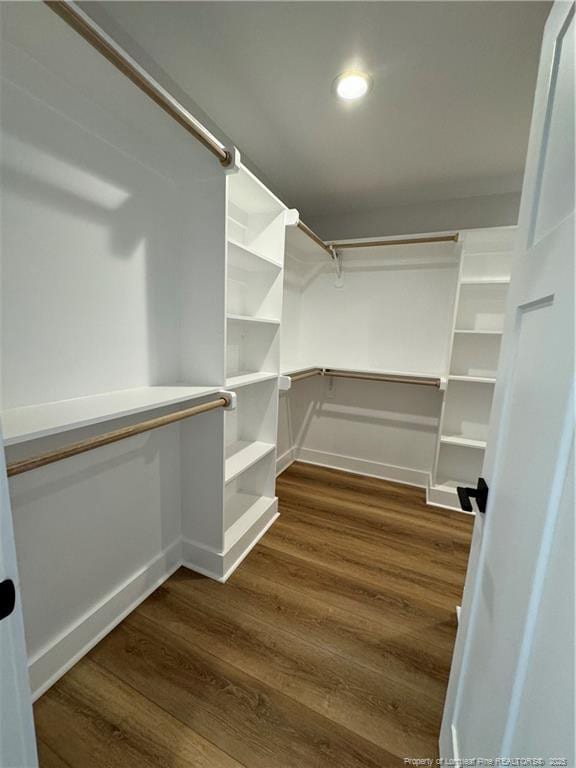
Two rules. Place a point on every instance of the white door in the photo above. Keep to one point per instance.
(511, 691)
(17, 740)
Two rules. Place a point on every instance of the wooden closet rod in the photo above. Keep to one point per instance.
(25, 465)
(393, 378)
(402, 241)
(426, 381)
(98, 39)
(306, 374)
(313, 236)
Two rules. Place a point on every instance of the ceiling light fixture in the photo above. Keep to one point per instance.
(352, 85)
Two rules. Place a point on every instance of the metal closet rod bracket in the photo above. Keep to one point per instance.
(231, 397)
(336, 257)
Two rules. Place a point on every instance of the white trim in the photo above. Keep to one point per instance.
(202, 558)
(247, 549)
(455, 746)
(220, 565)
(61, 653)
(447, 500)
(284, 461)
(404, 475)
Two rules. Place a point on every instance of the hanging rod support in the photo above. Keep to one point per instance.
(338, 265)
(226, 400)
(104, 44)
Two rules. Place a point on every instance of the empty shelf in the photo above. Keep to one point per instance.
(473, 379)
(246, 510)
(242, 455)
(34, 421)
(249, 377)
(246, 258)
(485, 281)
(478, 332)
(466, 442)
(250, 319)
(448, 486)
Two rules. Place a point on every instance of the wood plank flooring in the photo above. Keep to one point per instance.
(329, 647)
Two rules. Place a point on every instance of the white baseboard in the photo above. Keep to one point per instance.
(220, 565)
(244, 546)
(284, 461)
(403, 475)
(436, 496)
(61, 653)
(202, 559)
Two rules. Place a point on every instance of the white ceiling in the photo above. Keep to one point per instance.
(448, 115)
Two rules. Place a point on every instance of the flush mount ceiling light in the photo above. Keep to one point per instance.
(352, 85)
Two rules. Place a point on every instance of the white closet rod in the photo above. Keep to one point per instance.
(26, 465)
(394, 378)
(104, 44)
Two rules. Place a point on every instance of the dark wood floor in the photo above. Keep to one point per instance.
(329, 647)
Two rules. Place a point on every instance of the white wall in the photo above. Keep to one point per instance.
(393, 313)
(432, 216)
(386, 430)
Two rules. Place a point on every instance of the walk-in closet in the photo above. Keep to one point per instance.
(275, 279)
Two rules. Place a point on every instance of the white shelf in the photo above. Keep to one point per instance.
(250, 319)
(248, 259)
(485, 281)
(236, 222)
(477, 332)
(466, 442)
(473, 379)
(448, 486)
(242, 455)
(246, 510)
(35, 421)
(243, 379)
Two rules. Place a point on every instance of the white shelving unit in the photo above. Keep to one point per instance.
(256, 222)
(137, 276)
(483, 282)
(45, 419)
